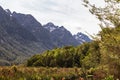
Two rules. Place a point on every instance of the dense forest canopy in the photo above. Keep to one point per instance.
(68, 56)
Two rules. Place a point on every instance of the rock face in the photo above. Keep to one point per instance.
(60, 36)
(11, 36)
(33, 26)
(22, 35)
(81, 38)
(63, 37)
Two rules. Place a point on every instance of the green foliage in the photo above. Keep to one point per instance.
(86, 55)
(109, 78)
(63, 57)
(109, 16)
(93, 57)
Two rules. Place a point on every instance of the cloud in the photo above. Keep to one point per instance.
(68, 13)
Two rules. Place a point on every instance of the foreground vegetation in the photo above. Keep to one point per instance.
(41, 73)
(48, 73)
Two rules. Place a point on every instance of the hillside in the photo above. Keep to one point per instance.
(21, 36)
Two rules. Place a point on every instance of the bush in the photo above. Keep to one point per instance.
(110, 77)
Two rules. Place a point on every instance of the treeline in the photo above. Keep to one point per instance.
(102, 55)
(99, 58)
(87, 55)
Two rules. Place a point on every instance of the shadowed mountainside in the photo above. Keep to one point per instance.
(21, 36)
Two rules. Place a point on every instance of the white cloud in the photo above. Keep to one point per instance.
(68, 13)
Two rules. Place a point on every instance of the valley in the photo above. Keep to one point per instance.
(30, 50)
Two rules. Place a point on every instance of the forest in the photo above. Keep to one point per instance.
(68, 56)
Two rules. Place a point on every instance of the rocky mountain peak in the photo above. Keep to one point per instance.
(8, 11)
(81, 38)
(50, 26)
(1, 8)
(62, 28)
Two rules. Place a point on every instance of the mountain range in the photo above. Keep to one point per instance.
(21, 36)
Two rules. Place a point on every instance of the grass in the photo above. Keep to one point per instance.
(39, 73)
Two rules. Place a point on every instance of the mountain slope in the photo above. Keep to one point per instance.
(16, 42)
(63, 37)
(81, 38)
(32, 25)
(21, 36)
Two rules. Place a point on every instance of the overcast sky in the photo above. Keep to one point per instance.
(68, 13)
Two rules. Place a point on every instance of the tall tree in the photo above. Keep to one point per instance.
(109, 17)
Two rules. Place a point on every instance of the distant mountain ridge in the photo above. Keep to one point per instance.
(60, 35)
(81, 38)
(21, 36)
(50, 26)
